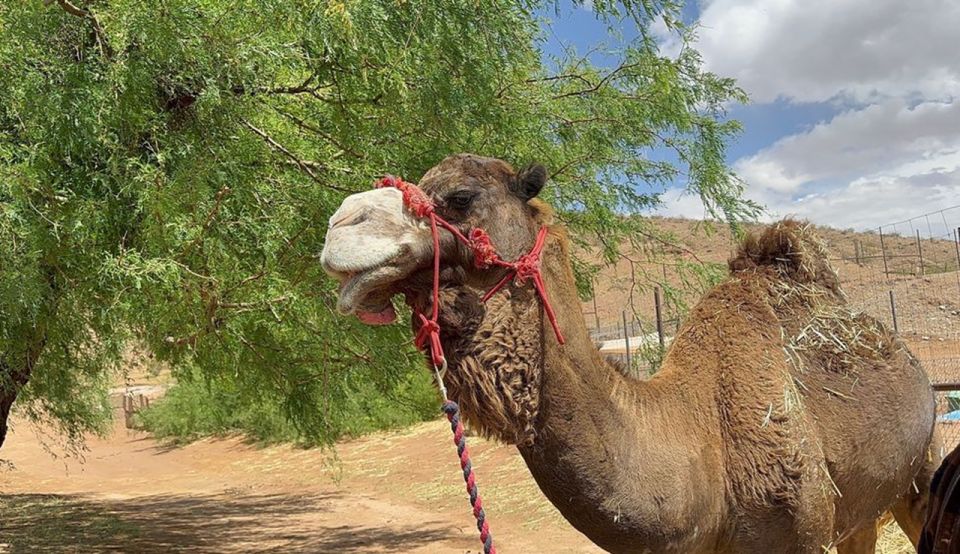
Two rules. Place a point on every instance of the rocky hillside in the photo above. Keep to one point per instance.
(927, 298)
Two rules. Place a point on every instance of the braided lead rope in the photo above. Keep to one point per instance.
(452, 411)
(453, 415)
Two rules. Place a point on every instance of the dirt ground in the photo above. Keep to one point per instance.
(390, 492)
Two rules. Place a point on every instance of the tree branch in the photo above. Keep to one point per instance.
(252, 305)
(606, 78)
(303, 165)
(307, 87)
(98, 31)
(209, 220)
(314, 129)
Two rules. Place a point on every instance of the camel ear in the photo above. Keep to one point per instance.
(529, 181)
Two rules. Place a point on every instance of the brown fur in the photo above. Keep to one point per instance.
(496, 374)
(793, 251)
(780, 421)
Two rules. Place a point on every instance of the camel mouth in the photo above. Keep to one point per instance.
(368, 294)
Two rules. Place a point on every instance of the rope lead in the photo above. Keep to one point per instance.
(453, 415)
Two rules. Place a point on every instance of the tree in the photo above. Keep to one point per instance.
(167, 169)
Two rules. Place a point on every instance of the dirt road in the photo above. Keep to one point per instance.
(393, 492)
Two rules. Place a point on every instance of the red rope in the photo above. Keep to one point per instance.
(528, 267)
(525, 267)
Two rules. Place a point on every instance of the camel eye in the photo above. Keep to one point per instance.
(461, 199)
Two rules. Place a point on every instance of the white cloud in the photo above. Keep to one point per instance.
(887, 137)
(888, 67)
(869, 203)
(817, 50)
(862, 204)
(894, 152)
(677, 202)
(883, 163)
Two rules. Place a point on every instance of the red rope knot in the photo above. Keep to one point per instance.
(414, 198)
(417, 201)
(389, 181)
(428, 337)
(526, 267)
(428, 328)
(484, 253)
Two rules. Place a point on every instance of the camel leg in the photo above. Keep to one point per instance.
(909, 512)
(864, 541)
(911, 509)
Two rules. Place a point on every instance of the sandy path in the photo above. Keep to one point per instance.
(393, 492)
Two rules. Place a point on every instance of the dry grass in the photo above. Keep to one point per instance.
(893, 541)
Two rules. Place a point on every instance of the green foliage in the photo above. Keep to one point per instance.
(167, 169)
(198, 407)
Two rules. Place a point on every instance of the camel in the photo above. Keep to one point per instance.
(780, 420)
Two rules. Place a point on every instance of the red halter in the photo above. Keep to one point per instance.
(525, 267)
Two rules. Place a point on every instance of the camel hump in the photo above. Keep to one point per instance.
(793, 249)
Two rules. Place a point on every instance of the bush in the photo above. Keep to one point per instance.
(198, 407)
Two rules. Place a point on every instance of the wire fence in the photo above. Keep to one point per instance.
(906, 274)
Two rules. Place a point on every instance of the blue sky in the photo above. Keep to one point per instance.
(854, 118)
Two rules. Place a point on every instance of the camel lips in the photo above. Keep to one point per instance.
(385, 316)
(353, 298)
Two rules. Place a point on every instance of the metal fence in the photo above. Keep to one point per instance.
(637, 345)
(906, 273)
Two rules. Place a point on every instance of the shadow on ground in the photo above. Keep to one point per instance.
(182, 523)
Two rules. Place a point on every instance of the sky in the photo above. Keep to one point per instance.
(854, 119)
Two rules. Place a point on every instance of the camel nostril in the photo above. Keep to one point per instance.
(350, 218)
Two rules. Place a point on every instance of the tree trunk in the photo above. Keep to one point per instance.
(13, 379)
(6, 402)
(11, 382)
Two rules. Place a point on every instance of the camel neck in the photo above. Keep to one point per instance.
(578, 364)
(599, 433)
(586, 432)
(578, 384)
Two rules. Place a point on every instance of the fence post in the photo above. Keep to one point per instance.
(596, 314)
(883, 254)
(856, 251)
(128, 410)
(626, 340)
(893, 311)
(920, 253)
(956, 244)
(659, 312)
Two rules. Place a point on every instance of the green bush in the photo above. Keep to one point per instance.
(200, 407)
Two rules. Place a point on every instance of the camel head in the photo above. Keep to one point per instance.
(376, 248)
